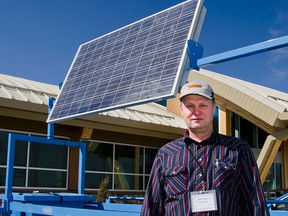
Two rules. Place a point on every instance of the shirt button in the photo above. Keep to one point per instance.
(200, 159)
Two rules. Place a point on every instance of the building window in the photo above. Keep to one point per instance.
(150, 154)
(127, 166)
(93, 179)
(128, 159)
(262, 136)
(47, 165)
(247, 131)
(99, 157)
(36, 165)
(216, 119)
(46, 178)
(274, 178)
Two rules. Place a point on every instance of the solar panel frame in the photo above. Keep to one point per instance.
(108, 72)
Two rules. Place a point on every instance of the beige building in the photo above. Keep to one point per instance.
(121, 144)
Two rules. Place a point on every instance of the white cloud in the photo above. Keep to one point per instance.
(274, 32)
(277, 64)
(280, 26)
(278, 74)
(282, 16)
(279, 55)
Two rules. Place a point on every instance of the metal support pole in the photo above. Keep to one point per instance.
(50, 126)
(9, 174)
(82, 164)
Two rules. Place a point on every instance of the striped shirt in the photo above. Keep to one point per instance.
(222, 163)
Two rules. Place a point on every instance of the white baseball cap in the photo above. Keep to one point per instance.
(197, 87)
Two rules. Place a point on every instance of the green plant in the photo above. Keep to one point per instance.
(103, 192)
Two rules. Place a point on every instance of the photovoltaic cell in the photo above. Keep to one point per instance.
(138, 63)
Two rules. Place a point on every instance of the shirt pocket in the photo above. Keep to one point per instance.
(224, 174)
(176, 180)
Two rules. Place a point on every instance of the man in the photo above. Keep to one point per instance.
(204, 172)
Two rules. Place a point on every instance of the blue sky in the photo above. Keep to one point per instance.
(39, 38)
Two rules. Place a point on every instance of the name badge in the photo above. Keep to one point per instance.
(202, 201)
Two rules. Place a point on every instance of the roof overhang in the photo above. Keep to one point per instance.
(247, 100)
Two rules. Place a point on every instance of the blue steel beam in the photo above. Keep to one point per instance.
(241, 52)
(18, 208)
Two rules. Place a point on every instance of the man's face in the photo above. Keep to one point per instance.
(197, 112)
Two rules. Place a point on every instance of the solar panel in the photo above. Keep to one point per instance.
(139, 63)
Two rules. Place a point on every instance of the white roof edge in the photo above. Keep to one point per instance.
(21, 83)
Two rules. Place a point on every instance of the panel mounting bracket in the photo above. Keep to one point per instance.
(195, 52)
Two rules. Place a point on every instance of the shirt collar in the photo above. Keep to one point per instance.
(210, 141)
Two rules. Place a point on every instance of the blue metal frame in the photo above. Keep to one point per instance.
(8, 197)
(234, 54)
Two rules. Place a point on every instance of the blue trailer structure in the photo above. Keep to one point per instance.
(20, 204)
